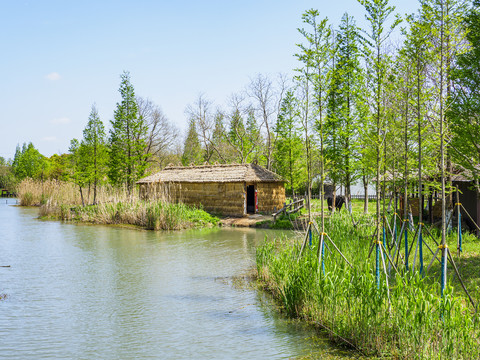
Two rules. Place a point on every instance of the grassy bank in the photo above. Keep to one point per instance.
(61, 200)
(415, 323)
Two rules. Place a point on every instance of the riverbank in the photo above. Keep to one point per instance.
(410, 320)
(62, 201)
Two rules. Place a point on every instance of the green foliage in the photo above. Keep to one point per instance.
(244, 138)
(152, 215)
(288, 154)
(28, 162)
(415, 323)
(465, 109)
(219, 140)
(7, 177)
(192, 150)
(128, 157)
(59, 167)
(94, 151)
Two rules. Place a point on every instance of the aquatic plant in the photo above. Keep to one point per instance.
(412, 320)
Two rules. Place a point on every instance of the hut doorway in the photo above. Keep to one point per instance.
(251, 199)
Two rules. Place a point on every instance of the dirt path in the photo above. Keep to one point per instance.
(247, 221)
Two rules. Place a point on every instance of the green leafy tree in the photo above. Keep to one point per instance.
(378, 13)
(78, 166)
(192, 150)
(253, 139)
(315, 56)
(289, 159)
(350, 77)
(465, 109)
(94, 151)
(58, 167)
(7, 178)
(127, 139)
(443, 21)
(28, 162)
(219, 142)
(243, 140)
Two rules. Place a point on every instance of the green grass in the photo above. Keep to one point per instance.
(412, 321)
(151, 215)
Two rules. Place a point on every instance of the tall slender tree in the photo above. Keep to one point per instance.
(127, 139)
(192, 149)
(95, 151)
(289, 162)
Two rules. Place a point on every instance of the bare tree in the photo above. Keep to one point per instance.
(200, 112)
(265, 105)
(162, 135)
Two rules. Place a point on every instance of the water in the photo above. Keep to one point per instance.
(98, 292)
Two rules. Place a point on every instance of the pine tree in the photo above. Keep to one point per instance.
(219, 141)
(127, 139)
(95, 151)
(289, 160)
(192, 150)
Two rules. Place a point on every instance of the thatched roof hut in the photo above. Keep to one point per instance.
(234, 189)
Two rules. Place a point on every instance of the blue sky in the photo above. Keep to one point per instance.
(60, 57)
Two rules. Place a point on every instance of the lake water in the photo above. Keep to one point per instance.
(98, 292)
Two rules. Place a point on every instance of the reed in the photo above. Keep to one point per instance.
(61, 200)
(415, 323)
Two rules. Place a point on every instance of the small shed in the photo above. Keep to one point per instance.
(233, 189)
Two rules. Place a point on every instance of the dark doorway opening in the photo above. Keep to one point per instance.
(251, 199)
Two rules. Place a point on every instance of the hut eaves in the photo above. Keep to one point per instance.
(213, 173)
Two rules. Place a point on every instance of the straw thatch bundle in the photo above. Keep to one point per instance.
(217, 188)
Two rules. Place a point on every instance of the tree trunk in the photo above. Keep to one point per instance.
(365, 191)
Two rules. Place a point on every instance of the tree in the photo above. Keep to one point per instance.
(192, 150)
(378, 12)
(265, 105)
(128, 146)
(315, 54)
(78, 166)
(7, 178)
(243, 141)
(349, 76)
(58, 167)
(162, 135)
(289, 162)
(465, 109)
(442, 18)
(219, 143)
(200, 112)
(94, 151)
(28, 162)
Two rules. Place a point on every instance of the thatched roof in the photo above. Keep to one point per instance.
(213, 173)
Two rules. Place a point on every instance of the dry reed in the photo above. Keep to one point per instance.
(62, 200)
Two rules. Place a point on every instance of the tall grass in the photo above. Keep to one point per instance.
(415, 323)
(115, 206)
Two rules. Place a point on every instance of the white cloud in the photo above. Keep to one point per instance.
(60, 121)
(54, 76)
(49, 138)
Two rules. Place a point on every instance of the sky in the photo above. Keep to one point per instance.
(61, 57)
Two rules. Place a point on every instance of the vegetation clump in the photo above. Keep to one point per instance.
(410, 320)
(61, 200)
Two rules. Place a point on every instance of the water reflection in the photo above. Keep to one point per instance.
(77, 291)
